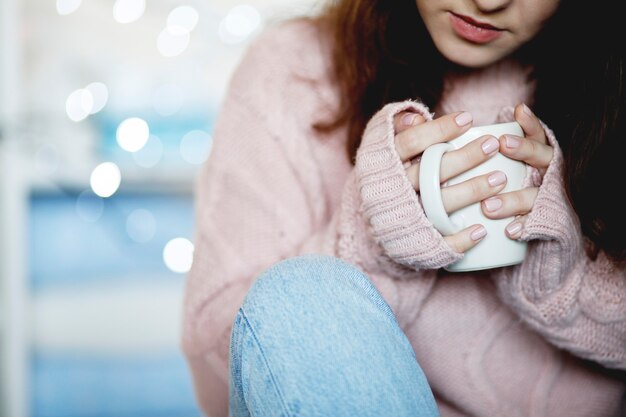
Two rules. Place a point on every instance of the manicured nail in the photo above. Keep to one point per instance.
(478, 233)
(463, 119)
(490, 145)
(511, 141)
(527, 110)
(514, 228)
(496, 178)
(408, 119)
(493, 204)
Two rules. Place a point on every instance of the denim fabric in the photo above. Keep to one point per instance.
(315, 338)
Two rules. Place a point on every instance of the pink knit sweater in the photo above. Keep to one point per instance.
(505, 342)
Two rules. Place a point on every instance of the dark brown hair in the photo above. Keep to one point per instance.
(383, 53)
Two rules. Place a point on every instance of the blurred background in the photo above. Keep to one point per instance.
(106, 114)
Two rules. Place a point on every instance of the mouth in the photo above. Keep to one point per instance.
(472, 30)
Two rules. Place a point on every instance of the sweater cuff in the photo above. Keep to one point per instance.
(389, 202)
(555, 245)
(552, 216)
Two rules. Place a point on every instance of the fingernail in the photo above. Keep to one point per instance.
(526, 109)
(408, 119)
(496, 178)
(490, 145)
(514, 228)
(511, 142)
(479, 233)
(493, 204)
(463, 119)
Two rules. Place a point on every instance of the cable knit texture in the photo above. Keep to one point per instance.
(558, 290)
(508, 342)
(398, 222)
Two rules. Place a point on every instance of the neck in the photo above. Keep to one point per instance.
(488, 93)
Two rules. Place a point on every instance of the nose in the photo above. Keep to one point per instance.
(492, 6)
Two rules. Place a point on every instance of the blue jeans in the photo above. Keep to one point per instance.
(314, 337)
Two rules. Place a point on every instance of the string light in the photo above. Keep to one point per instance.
(99, 94)
(85, 101)
(79, 105)
(172, 41)
(195, 147)
(178, 255)
(65, 7)
(240, 22)
(182, 18)
(132, 134)
(141, 225)
(128, 11)
(105, 179)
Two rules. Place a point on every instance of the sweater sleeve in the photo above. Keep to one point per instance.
(381, 225)
(576, 303)
(260, 199)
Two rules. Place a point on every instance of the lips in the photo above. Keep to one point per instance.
(474, 31)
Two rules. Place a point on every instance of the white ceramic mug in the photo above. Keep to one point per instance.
(496, 249)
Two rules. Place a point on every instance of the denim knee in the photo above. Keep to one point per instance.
(305, 278)
(315, 337)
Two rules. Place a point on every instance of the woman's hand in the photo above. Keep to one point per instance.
(534, 150)
(413, 134)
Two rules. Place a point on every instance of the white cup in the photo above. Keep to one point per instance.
(496, 249)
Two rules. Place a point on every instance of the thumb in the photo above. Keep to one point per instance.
(405, 120)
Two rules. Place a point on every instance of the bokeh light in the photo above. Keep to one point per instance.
(79, 105)
(132, 134)
(178, 255)
(195, 147)
(141, 225)
(183, 18)
(65, 7)
(240, 22)
(167, 99)
(128, 11)
(172, 41)
(105, 179)
(89, 206)
(150, 154)
(99, 94)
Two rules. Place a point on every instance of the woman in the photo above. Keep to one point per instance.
(317, 152)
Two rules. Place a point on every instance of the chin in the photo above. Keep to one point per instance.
(471, 56)
(474, 62)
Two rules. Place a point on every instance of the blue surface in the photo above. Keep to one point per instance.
(64, 248)
(151, 385)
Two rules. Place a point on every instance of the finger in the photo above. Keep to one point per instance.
(514, 229)
(532, 152)
(472, 191)
(456, 162)
(510, 204)
(404, 120)
(467, 238)
(530, 124)
(414, 140)
(473, 154)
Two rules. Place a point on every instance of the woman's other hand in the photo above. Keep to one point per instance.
(413, 134)
(532, 149)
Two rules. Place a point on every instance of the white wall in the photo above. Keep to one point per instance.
(13, 385)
